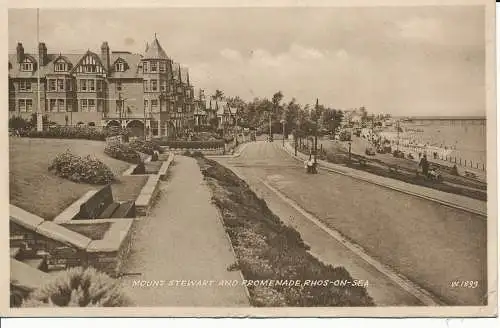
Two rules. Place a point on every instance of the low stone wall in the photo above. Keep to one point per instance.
(64, 248)
(148, 193)
(180, 151)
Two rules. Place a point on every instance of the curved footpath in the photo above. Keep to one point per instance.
(182, 239)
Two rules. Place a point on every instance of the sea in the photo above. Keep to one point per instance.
(459, 137)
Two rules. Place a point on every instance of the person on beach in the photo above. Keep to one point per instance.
(425, 165)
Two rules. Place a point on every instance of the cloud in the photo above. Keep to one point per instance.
(421, 28)
(231, 54)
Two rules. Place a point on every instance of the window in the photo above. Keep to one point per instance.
(25, 86)
(25, 105)
(91, 85)
(69, 85)
(163, 67)
(163, 85)
(90, 68)
(154, 66)
(154, 85)
(60, 85)
(91, 103)
(53, 105)
(52, 85)
(119, 106)
(60, 105)
(99, 85)
(120, 67)
(100, 105)
(60, 67)
(154, 105)
(69, 105)
(83, 85)
(83, 105)
(118, 86)
(146, 85)
(145, 104)
(29, 105)
(145, 67)
(27, 67)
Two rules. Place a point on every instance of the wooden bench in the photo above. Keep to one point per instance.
(394, 168)
(470, 174)
(102, 206)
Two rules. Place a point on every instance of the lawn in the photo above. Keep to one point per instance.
(36, 190)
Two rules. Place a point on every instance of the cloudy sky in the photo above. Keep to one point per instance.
(399, 60)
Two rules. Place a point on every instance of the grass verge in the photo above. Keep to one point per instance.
(267, 249)
(406, 173)
(36, 190)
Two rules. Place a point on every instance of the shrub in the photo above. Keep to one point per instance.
(78, 287)
(145, 146)
(123, 152)
(81, 169)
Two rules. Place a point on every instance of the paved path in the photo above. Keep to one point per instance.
(428, 243)
(471, 204)
(183, 239)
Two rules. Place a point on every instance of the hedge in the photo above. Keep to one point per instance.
(193, 144)
(71, 132)
(146, 147)
(123, 152)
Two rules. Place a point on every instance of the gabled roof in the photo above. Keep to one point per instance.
(132, 60)
(154, 51)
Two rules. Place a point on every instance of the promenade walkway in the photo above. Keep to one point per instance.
(466, 203)
(183, 239)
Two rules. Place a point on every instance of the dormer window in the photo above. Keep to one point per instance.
(27, 67)
(120, 67)
(60, 67)
(90, 68)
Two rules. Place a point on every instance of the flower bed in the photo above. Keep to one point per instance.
(269, 250)
(81, 169)
(123, 152)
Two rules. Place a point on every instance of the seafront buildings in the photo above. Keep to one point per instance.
(148, 93)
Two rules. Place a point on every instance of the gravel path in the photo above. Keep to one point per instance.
(183, 242)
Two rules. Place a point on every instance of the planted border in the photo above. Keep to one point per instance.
(268, 250)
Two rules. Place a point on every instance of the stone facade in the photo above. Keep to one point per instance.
(147, 93)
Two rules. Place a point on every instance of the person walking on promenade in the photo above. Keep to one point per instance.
(424, 164)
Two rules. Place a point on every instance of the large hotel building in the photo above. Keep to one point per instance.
(147, 92)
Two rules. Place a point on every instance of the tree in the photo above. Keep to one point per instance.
(218, 95)
(79, 287)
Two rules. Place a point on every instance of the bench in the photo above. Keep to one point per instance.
(470, 174)
(101, 205)
(394, 168)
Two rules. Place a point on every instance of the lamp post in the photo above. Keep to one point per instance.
(283, 123)
(349, 150)
(316, 132)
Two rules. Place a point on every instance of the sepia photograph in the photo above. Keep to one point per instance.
(280, 160)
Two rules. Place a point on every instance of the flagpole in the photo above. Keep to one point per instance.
(39, 119)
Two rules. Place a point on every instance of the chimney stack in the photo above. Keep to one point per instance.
(42, 53)
(20, 52)
(105, 55)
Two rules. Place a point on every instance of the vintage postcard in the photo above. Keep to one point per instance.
(277, 159)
